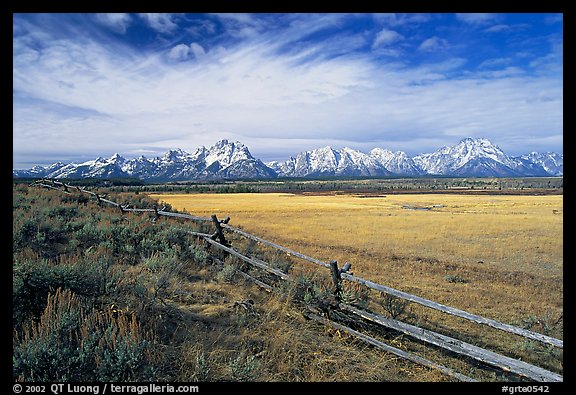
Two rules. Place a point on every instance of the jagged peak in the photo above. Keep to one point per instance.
(178, 151)
(117, 157)
(175, 153)
(478, 141)
(227, 143)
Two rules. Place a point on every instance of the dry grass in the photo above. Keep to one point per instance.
(505, 253)
(271, 342)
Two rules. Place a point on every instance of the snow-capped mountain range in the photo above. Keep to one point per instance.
(471, 157)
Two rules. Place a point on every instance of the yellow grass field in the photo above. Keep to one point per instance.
(500, 256)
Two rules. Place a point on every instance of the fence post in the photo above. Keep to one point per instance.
(337, 280)
(219, 232)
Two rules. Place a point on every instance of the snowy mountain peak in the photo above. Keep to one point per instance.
(327, 161)
(175, 154)
(480, 146)
(116, 158)
(396, 162)
(469, 157)
(552, 162)
(448, 160)
(227, 153)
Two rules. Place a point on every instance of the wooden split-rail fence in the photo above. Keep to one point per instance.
(218, 240)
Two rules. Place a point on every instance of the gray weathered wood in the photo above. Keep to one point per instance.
(60, 184)
(388, 348)
(488, 357)
(185, 216)
(248, 277)
(276, 246)
(199, 234)
(251, 261)
(139, 210)
(51, 187)
(261, 284)
(456, 312)
(110, 202)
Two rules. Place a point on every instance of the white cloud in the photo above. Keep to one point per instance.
(197, 50)
(494, 62)
(510, 71)
(386, 37)
(476, 18)
(267, 92)
(162, 23)
(502, 28)
(118, 22)
(183, 52)
(433, 44)
(555, 18)
(241, 25)
(392, 19)
(551, 63)
(179, 52)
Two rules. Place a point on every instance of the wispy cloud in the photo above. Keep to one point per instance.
(162, 23)
(182, 52)
(476, 18)
(402, 19)
(495, 63)
(118, 22)
(504, 28)
(386, 37)
(433, 44)
(279, 84)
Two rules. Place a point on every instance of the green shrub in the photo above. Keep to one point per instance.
(243, 369)
(227, 273)
(281, 262)
(73, 343)
(355, 294)
(202, 368)
(49, 239)
(393, 305)
(88, 274)
(454, 278)
(23, 234)
(63, 212)
(89, 234)
(199, 255)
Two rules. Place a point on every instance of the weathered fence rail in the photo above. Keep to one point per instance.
(253, 261)
(491, 358)
(457, 346)
(456, 312)
(391, 349)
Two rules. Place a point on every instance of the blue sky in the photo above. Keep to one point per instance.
(88, 85)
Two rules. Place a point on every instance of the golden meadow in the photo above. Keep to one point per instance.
(145, 290)
(495, 255)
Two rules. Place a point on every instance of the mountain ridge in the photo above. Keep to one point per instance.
(476, 157)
